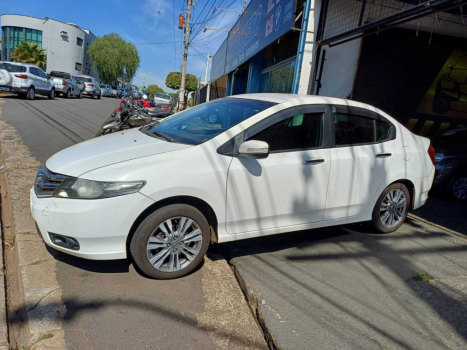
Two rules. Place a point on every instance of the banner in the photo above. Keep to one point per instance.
(263, 22)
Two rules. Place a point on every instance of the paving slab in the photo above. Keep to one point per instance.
(347, 287)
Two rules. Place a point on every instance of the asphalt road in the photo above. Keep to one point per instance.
(109, 304)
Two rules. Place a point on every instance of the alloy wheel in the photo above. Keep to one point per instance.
(174, 244)
(32, 94)
(459, 188)
(393, 208)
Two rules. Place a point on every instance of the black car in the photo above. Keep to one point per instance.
(451, 163)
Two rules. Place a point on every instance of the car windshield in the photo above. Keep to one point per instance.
(102, 86)
(12, 67)
(201, 123)
(114, 87)
(60, 75)
(84, 80)
(456, 137)
(165, 97)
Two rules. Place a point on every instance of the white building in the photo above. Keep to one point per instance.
(65, 43)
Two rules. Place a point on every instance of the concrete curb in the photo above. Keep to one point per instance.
(38, 293)
(4, 342)
(418, 218)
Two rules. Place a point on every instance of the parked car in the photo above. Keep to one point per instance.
(451, 163)
(66, 84)
(106, 90)
(162, 193)
(163, 98)
(452, 87)
(90, 85)
(114, 91)
(26, 80)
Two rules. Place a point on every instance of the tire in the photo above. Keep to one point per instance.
(379, 220)
(458, 187)
(31, 94)
(94, 95)
(51, 94)
(99, 96)
(151, 228)
(80, 95)
(68, 93)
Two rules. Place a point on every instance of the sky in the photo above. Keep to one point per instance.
(159, 44)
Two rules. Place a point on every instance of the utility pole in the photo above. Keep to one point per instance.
(185, 55)
(207, 67)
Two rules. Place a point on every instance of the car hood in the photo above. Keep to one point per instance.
(106, 150)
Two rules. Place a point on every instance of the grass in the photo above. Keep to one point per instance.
(423, 277)
(46, 336)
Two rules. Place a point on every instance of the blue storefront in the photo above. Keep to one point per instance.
(263, 51)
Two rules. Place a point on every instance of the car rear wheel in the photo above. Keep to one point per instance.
(31, 94)
(68, 94)
(171, 242)
(458, 188)
(391, 208)
(51, 94)
(80, 95)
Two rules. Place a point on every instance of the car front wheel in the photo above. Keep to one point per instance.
(391, 208)
(51, 94)
(171, 242)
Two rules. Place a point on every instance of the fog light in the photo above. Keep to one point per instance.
(64, 241)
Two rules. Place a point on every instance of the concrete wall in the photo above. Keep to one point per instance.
(62, 51)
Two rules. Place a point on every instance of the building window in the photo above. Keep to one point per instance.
(78, 66)
(79, 42)
(34, 36)
(17, 35)
(279, 78)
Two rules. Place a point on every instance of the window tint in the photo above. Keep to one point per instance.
(297, 132)
(383, 130)
(165, 97)
(353, 129)
(33, 71)
(13, 68)
(41, 73)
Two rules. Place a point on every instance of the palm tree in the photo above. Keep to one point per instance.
(28, 52)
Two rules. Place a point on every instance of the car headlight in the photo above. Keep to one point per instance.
(87, 189)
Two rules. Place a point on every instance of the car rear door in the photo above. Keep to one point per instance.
(38, 83)
(363, 153)
(289, 186)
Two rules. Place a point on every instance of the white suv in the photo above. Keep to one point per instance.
(26, 80)
(272, 163)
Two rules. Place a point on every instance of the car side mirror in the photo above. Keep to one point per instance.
(253, 149)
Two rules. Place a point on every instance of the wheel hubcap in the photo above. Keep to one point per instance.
(393, 208)
(459, 189)
(174, 244)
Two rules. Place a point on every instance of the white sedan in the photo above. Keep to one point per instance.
(271, 163)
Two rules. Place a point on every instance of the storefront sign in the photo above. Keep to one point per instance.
(263, 22)
(218, 62)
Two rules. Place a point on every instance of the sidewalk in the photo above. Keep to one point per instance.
(3, 313)
(343, 287)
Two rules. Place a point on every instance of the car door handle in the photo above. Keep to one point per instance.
(383, 155)
(313, 161)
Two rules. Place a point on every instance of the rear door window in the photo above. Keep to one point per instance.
(300, 131)
(13, 68)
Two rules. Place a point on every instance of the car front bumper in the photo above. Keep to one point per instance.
(101, 226)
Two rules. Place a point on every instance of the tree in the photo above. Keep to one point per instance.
(153, 89)
(114, 58)
(174, 81)
(28, 52)
(174, 95)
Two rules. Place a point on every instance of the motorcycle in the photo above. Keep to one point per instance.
(129, 115)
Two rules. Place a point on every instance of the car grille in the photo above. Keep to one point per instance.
(47, 182)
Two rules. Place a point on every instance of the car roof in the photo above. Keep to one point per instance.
(20, 64)
(311, 99)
